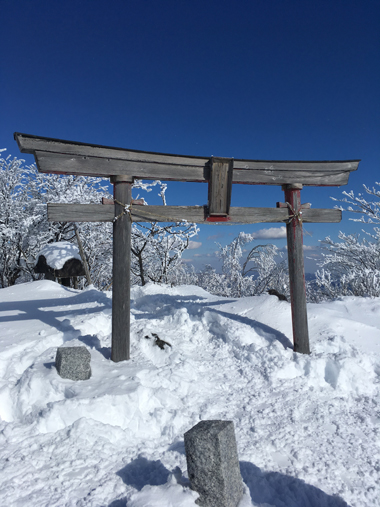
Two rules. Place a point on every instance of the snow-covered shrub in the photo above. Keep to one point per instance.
(352, 267)
(257, 273)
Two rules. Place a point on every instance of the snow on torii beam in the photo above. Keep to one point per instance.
(122, 166)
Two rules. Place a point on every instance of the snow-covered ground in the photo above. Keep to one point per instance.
(307, 427)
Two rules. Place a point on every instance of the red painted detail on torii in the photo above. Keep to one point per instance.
(216, 218)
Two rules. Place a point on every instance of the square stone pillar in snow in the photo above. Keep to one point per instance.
(213, 464)
(73, 363)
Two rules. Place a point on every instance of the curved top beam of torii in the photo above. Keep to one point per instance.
(68, 157)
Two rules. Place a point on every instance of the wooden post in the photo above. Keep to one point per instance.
(296, 269)
(120, 350)
(220, 186)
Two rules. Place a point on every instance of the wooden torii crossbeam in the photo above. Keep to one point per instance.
(123, 166)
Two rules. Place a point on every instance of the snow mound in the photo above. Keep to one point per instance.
(57, 254)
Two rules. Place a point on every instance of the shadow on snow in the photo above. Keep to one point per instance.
(272, 488)
(159, 306)
(150, 306)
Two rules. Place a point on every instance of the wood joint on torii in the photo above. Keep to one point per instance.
(294, 214)
(219, 188)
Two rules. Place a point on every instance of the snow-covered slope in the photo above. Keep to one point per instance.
(307, 427)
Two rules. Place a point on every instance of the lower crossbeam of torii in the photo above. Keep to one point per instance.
(123, 166)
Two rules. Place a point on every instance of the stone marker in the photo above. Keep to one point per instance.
(213, 465)
(73, 363)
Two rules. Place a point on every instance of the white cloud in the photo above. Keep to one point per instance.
(306, 247)
(194, 244)
(204, 255)
(271, 233)
(215, 236)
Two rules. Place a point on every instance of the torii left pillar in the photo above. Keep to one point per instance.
(296, 268)
(121, 284)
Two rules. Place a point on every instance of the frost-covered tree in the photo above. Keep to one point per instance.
(14, 220)
(24, 229)
(352, 266)
(43, 189)
(369, 209)
(157, 249)
(157, 252)
(248, 276)
(213, 282)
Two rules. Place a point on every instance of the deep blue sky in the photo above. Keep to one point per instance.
(258, 79)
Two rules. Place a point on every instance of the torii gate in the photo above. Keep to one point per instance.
(122, 166)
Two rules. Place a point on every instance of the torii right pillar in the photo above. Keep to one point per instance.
(296, 268)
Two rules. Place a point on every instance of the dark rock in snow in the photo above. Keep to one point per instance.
(73, 363)
(72, 267)
(157, 341)
(274, 292)
(213, 465)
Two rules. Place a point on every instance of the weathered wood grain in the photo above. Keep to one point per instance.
(29, 144)
(66, 157)
(297, 165)
(90, 166)
(58, 212)
(306, 176)
(321, 215)
(297, 274)
(120, 350)
(220, 186)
